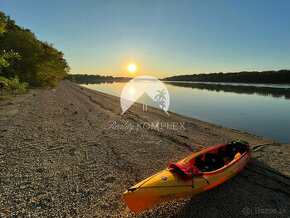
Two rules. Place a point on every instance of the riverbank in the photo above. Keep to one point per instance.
(70, 151)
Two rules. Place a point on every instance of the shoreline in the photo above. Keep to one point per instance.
(59, 156)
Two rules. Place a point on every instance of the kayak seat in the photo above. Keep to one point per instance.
(209, 162)
(221, 152)
(220, 157)
(200, 163)
(214, 161)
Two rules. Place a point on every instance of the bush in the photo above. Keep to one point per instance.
(12, 86)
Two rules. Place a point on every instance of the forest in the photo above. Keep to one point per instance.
(275, 92)
(95, 79)
(278, 77)
(25, 60)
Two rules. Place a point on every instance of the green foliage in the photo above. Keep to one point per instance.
(7, 58)
(95, 79)
(32, 61)
(281, 76)
(12, 85)
(2, 23)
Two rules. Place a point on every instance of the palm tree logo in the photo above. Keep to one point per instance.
(160, 98)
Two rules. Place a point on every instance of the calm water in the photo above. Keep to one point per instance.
(260, 109)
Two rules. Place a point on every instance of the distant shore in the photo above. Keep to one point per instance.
(69, 151)
(256, 77)
(269, 76)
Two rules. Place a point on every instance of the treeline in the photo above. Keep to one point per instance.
(240, 89)
(25, 57)
(95, 79)
(281, 76)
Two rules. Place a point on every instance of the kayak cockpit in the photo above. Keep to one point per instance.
(220, 157)
(210, 160)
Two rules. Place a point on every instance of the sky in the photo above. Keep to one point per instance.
(161, 37)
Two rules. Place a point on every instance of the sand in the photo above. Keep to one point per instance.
(69, 151)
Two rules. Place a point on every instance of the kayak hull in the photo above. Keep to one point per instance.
(166, 185)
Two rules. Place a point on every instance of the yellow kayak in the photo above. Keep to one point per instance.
(196, 173)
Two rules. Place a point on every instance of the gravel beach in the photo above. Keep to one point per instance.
(68, 151)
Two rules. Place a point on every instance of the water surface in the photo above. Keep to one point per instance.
(259, 109)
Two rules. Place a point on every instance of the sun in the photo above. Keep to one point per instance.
(132, 68)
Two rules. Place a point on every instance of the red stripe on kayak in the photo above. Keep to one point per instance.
(216, 183)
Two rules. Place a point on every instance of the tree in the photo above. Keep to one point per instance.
(6, 58)
(29, 59)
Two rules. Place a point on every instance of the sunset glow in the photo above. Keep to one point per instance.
(132, 68)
